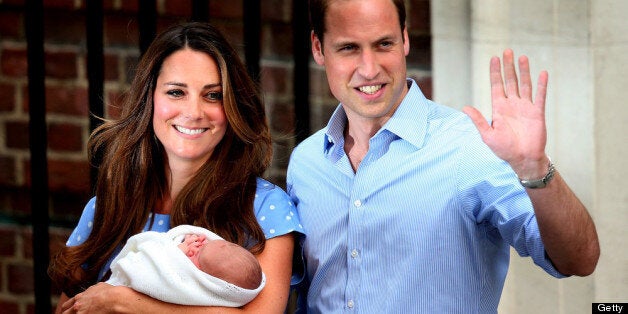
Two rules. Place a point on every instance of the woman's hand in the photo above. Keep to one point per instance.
(96, 299)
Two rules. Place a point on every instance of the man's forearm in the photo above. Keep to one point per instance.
(567, 230)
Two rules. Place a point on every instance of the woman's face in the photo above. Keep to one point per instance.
(189, 119)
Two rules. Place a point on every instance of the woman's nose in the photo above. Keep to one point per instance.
(193, 108)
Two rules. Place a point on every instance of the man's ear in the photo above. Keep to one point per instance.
(317, 49)
(406, 41)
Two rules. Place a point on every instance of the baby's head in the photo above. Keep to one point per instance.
(231, 263)
(224, 260)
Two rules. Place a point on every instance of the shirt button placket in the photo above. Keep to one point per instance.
(350, 304)
(357, 203)
(354, 254)
(354, 244)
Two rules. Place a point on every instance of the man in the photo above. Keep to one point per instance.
(406, 206)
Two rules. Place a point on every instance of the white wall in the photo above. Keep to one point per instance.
(584, 47)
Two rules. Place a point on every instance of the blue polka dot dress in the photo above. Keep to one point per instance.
(274, 210)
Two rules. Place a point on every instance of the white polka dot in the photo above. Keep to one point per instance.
(272, 207)
(90, 224)
(78, 238)
(291, 214)
(272, 231)
(290, 203)
(262, 218)
(256, 195)
(266, 184)
(161, 222)
(68, 243)
(288, 217)
(94, 205)
(300, 226)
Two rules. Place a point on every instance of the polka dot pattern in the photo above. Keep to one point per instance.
(274, 210)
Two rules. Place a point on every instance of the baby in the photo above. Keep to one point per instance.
(223, 259)
(210, 272)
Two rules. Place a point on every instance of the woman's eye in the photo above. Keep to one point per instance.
(214, 96)
(175, 93)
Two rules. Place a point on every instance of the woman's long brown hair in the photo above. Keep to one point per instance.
(131, 164)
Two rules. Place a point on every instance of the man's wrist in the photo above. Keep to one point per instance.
(542, 182)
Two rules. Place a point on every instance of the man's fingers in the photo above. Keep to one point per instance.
(478, 119)
(541, 90)
(497, 84)
(510, 75)
(525, 90)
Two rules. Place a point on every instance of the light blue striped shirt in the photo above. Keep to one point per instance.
(423, 226)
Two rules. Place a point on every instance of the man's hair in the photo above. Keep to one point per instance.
(318, 9)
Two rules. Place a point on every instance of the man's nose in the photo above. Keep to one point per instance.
(368, 67)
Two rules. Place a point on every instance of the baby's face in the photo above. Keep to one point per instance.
(192, 246)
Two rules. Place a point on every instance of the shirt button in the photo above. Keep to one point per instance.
(350, 304)
(357, 203)
(354, 253)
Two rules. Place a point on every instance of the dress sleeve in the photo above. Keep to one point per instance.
(84, 227)
(275, 211)
(277, 216)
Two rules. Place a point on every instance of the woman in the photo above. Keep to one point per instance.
(190, 148)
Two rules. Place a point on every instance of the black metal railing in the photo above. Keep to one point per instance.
(95, 68)
(34, 25)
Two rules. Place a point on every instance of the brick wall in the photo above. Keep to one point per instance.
(67, 108)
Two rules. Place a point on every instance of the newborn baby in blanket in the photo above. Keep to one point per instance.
(188, 265)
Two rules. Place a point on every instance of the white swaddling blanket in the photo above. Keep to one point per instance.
(151, 263)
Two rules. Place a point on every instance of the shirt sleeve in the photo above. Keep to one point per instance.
(501, 200)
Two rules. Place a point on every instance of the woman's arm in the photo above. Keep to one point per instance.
(276, 262)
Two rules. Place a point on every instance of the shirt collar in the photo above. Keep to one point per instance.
(409, 121)
(334, 134)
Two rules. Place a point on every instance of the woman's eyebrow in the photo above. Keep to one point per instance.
(213, 85)
(176, 84)
(180, 84)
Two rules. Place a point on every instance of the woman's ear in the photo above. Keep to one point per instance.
(317, 49)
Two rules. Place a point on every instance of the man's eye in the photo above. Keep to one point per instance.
(347, 48)
(175, 92)
(214, 96)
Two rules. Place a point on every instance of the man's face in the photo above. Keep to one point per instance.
(364, 53)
